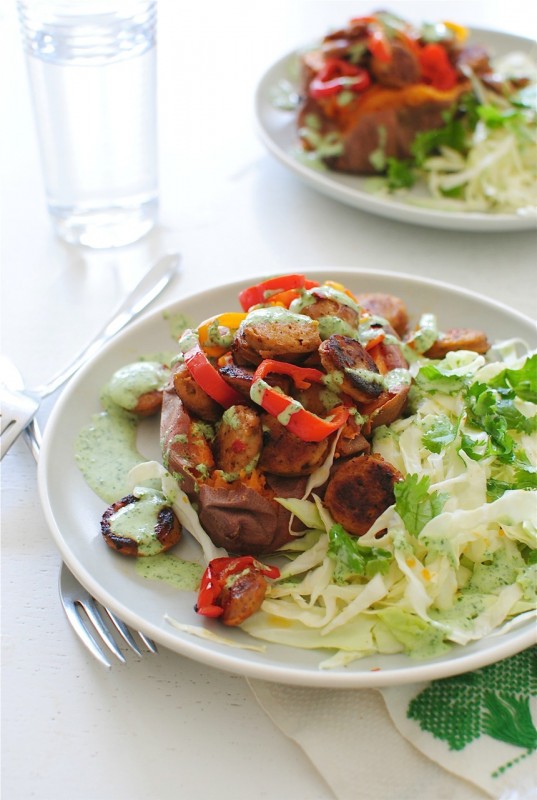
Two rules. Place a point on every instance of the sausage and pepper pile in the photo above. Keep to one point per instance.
(371, 86)
(277, 401)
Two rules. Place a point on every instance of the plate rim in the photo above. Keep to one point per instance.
(327, 183)
(230, 659)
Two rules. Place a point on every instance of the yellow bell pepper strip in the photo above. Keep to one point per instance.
(459, 31)
(219, 571)
(230, 320)
(340, 288)
(210, 379)
(289, 412)
(262, 292)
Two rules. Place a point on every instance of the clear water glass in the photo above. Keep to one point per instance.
(92, 69)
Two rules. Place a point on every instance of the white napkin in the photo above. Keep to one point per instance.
(430, 741)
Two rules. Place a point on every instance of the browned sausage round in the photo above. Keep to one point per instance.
(243, 597)
(401, 70)
(328, 307)
(131, 537)
(276, 333)
(195, 399)
(238, 376)
(359, 491)
(351, 367)
(238, 440)
(458, 339)
(124, 387)
(285, 454)
(148, 404)
(388, 307)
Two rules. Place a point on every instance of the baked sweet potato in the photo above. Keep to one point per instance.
(232, 468)
(372, 86)
(242, 515)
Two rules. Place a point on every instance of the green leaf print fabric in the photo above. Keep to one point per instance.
(481, 725)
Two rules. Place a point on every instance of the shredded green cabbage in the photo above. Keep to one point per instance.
(458, 556)
(485, 158)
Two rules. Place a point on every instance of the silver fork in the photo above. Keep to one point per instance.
(88, 618)
(90, 621)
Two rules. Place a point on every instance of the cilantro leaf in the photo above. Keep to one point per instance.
(522, 479)
(522, 381)
(476, 449)
(399, 174)
(460, 120)
(430, 378)
(485, 414)
(415, 504)
(441, 433)
(353, 559)
(494, 117)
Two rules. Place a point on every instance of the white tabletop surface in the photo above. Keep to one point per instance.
(165, 726)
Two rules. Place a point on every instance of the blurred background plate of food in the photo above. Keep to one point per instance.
(432, 125)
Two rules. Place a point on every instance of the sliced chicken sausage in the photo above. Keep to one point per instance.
(242, 597)
(458, 339)
(126, 534)
(239, 440)
(285, 454)
(388, 307)
(328, 307)
(276, 333)
(351, 368)
(359, 491)
(194, 398)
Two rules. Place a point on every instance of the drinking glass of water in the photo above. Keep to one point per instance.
(92, 69)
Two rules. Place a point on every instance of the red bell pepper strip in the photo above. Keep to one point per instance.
(261, 292)
(210, 379)
(436, 68)
(378, 43)
(337, 75)
(218, 571)
(376, 340)
(303, 424)
(302, 376)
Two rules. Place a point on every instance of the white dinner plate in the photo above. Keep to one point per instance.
(73, 511)
(277, 129)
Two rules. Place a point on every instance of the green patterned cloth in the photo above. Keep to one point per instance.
(494, 701)
(480, 725)
(464, 738)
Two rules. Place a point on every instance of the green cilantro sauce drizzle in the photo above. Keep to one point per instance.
(106, 449)
(167, 568)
